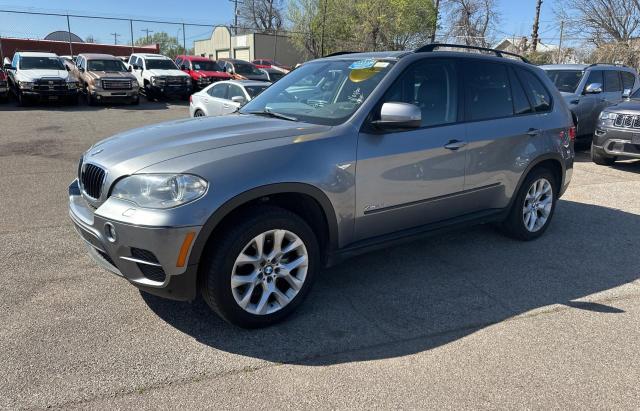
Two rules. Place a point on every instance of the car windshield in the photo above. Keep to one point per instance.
(160, 64)
(246, 68)
(565, 80)
(255, 90)
(105, 65)
(206, 66)
(324, 92)
(41, 63)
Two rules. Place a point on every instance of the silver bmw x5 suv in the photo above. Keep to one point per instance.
(345, 154)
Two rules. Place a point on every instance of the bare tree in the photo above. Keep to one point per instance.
(261, 15)
(536, 26)
(471, 22)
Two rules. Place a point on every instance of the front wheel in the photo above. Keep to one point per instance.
(261, 268)
(533, 206)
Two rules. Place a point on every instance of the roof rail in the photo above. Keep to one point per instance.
(608, 64)
(340, 53)
(499, 53)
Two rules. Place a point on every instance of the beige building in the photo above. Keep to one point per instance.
(252, 46)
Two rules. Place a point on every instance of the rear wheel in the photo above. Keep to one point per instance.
(199, 113)
(533, 206)
(261, 269)
(600, 159)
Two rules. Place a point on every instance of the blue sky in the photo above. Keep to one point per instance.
(516, 18)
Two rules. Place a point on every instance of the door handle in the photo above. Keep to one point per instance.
(455, 145)
(533, 132)
(225, 105)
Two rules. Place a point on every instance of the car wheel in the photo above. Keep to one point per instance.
(261, 268)
(533, 206)
(601, 160)
(136, 101)
(199, 113)
(22, 100)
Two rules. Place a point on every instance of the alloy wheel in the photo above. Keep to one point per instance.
(269, 272)
(537, 205)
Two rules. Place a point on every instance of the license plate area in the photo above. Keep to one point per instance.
(635, 138)
(53, 97)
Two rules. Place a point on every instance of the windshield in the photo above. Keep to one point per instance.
(255, 90)
(160, 64)
(325, 92)
(565, 80)
(246, 68)
(206, 66)
(105, 65)
(41, 63)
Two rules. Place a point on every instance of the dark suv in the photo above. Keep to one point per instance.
(344, 154)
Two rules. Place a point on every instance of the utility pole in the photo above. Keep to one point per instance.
(147, 31)
(132, 44)
(560, 43)
(235, 16)
(536, 24)
(435, 24)
(115, 37)
(184, 40)
(69, 36)
(324, 17)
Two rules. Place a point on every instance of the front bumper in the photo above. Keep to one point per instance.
(171, 90)
(130, 94)
(616, 141)
(49, 94)
(146, 256)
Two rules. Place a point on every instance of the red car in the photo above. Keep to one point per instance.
(4, 86)
(202, 70)
(268, 63)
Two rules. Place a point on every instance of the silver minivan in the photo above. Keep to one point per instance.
(345, 154)
(588, 89)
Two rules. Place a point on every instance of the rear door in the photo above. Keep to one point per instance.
(217, 98)
(408, 178)
(233, 91)
(500, 123)
(612, 86)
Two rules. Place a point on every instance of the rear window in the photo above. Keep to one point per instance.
(628, 80)
(536, 91)
(487, 93)
(565, 80)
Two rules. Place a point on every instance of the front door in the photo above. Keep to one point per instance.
(408, 178)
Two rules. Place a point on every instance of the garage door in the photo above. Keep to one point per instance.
(222, 54)
(242, 54)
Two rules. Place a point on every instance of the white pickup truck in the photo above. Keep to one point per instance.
(159, 76)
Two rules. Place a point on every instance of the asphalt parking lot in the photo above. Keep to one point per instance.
(465, 320)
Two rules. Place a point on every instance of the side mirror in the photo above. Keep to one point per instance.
(7, 66)
(399, 115)
(626, 93)
(68, 68)
(81, 69)
(593, 88)
(239, 99)
(229, 70)
(129, 69)
(183, 67)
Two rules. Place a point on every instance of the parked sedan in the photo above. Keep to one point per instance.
(224, 97)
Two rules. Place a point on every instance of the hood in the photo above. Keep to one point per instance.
(171, 72)
(631, 106)
(133, 150)
(111, 74)
(214, 74)
(32, 75)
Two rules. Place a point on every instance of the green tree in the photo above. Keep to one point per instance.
(169, 45)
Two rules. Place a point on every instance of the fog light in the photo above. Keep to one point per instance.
(110, 232)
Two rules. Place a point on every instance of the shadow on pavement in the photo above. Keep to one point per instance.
(82, 106)
(427, 293)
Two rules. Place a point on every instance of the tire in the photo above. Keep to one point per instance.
(238, 240)
(517, 222)
(22, 100)
(136, 101)
(199, 113)
(73, 100)
(600, 159)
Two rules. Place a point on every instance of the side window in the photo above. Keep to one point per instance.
(628, 80)
(219, 91)
(521, 104)
(612, 81)
(432, 85)
(487, 91)
(538, 94)
(235, 91)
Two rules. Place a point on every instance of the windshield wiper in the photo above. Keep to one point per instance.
(268, 112)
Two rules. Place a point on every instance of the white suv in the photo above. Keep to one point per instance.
(40, 76)
(159, 76)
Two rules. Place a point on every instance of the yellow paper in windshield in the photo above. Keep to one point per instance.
(365, 69)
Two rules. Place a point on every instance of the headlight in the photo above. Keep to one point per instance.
(188, 80)
(160, 190)
(134, 84)
(25, 85)
(607, 115)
